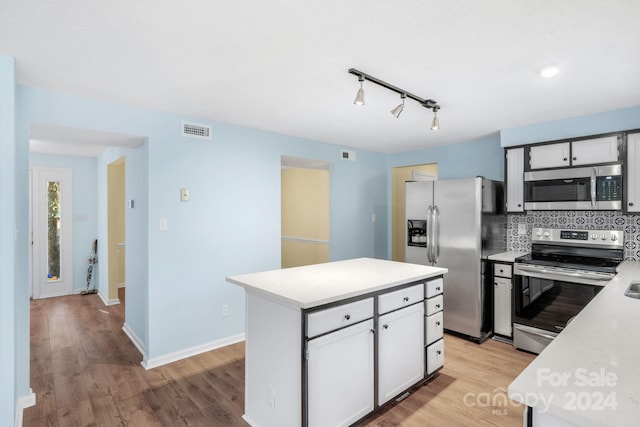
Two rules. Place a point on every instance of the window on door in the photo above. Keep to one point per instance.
(53, 230)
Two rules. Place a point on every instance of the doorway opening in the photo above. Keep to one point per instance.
(51, 232)
(305, 211)
(399, 175)
(116, 225)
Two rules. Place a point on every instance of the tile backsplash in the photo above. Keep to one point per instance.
(585, 220)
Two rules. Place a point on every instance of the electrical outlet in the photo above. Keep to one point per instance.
(522, 229)
(225, 310)
(271, 396)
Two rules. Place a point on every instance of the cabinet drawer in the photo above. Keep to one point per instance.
(435, 356)
(435, 287)
(400, 298)
(502, 270)
(434, 327)
(338, 317)
(433, 305)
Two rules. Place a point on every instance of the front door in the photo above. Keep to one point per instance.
(52, 232)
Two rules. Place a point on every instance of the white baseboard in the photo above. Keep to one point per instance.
(105, 301)
(23, 403)
(137, 342)
(188, 352)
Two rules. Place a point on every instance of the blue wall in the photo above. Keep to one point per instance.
(593, 124)
(11, 309)
(232, 223)
(85, 219)
(483, 157)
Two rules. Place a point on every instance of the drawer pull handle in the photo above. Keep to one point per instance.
(439, 351)
(405, 299)
(373, 331)
(438, 288)
(347, 316)
(386, 326)
(437, 323)
(437, 305)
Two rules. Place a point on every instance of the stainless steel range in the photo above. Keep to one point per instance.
(561, 275)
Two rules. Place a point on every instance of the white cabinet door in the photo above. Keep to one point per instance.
(340, 376)
(400, 351)
(591, 151)
(515, 180)
(502, 306)
(633, 172)
(550, 155)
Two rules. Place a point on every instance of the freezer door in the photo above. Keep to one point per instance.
(459, 203)
(418, 198)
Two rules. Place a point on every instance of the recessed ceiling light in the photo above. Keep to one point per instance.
(549, 71)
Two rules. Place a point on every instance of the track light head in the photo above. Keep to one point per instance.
(360, 95)
(400, 107)
(435, 123)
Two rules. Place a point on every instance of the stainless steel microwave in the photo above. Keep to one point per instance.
(588, 188)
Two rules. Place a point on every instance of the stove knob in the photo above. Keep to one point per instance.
(603, 237)
(546, 234)
(594, 236)
(539, 233)
(614, 237)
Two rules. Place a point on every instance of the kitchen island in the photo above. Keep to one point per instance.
(589, 375)
(327, 344)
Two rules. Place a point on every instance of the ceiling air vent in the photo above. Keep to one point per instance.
(195, 130)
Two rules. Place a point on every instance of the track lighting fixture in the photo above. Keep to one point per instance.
(435, 123)
(360, 95)
(426, 103)
(397, 110)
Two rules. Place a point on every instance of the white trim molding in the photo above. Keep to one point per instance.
(189, 352)
(23, 403)
(105, 301)
(137, 342)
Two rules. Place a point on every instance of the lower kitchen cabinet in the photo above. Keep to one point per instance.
(502, 286)
(400, 351)
(340, 375)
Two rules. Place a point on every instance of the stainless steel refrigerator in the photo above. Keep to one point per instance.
(457, 224)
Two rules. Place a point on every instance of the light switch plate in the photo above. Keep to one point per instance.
(185, 194)
(162, 224)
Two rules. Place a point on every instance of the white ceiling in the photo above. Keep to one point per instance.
(282, 65)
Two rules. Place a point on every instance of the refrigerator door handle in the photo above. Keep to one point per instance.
(429, 226)
(435, 235)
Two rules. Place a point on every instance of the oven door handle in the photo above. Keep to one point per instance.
(555, 274)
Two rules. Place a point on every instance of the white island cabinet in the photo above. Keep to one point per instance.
(315, 354)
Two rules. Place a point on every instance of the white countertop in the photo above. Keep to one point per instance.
(599, 355)
(319, 284)
(507, 256)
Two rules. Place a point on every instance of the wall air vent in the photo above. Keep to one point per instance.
(195, 130)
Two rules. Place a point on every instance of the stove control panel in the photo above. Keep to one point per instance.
(597, 238)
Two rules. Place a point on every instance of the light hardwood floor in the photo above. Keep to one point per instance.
(86, 372)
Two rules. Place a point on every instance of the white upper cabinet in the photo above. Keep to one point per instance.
(592, 151)
(550, 155)
(633, 174)
(515, 184)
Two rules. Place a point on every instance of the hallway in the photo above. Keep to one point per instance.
(86, 372)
